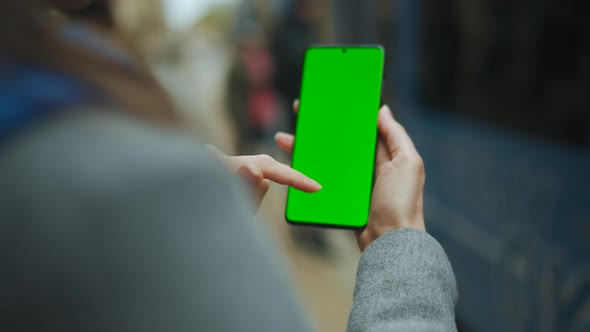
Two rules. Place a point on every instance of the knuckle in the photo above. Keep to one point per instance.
(403, 158)
(418, 164)
(265, 158)
(385, 168)
(411, 160)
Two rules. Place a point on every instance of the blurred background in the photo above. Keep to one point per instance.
(495, 93)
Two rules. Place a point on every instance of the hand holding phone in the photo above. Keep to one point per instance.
(397, 198)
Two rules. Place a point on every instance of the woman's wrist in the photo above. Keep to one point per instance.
(377, 228)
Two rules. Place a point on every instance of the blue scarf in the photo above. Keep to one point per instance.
(30, 92)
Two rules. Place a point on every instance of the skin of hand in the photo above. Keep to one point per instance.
(397, 198)
(259, 170)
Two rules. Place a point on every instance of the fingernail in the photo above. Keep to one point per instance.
(278, 135)
(254, 171)
(315, 184)
(250, 172)
(295, 103)
(388, 110)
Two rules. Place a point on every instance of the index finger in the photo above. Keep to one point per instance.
(283, 174)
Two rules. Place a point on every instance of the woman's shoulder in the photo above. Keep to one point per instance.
(97, 150)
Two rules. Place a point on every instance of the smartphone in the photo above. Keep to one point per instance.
(336, 135)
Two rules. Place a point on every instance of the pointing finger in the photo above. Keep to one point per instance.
(283, 174)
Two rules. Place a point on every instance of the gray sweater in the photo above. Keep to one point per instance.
(109, 224)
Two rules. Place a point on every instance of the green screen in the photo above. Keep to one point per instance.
(336, 135)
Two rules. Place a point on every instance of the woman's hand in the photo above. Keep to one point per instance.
(396, 201)
(259, 170)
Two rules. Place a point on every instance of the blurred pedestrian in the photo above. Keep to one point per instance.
(114, 219)
(253, 106)
(294, 34)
